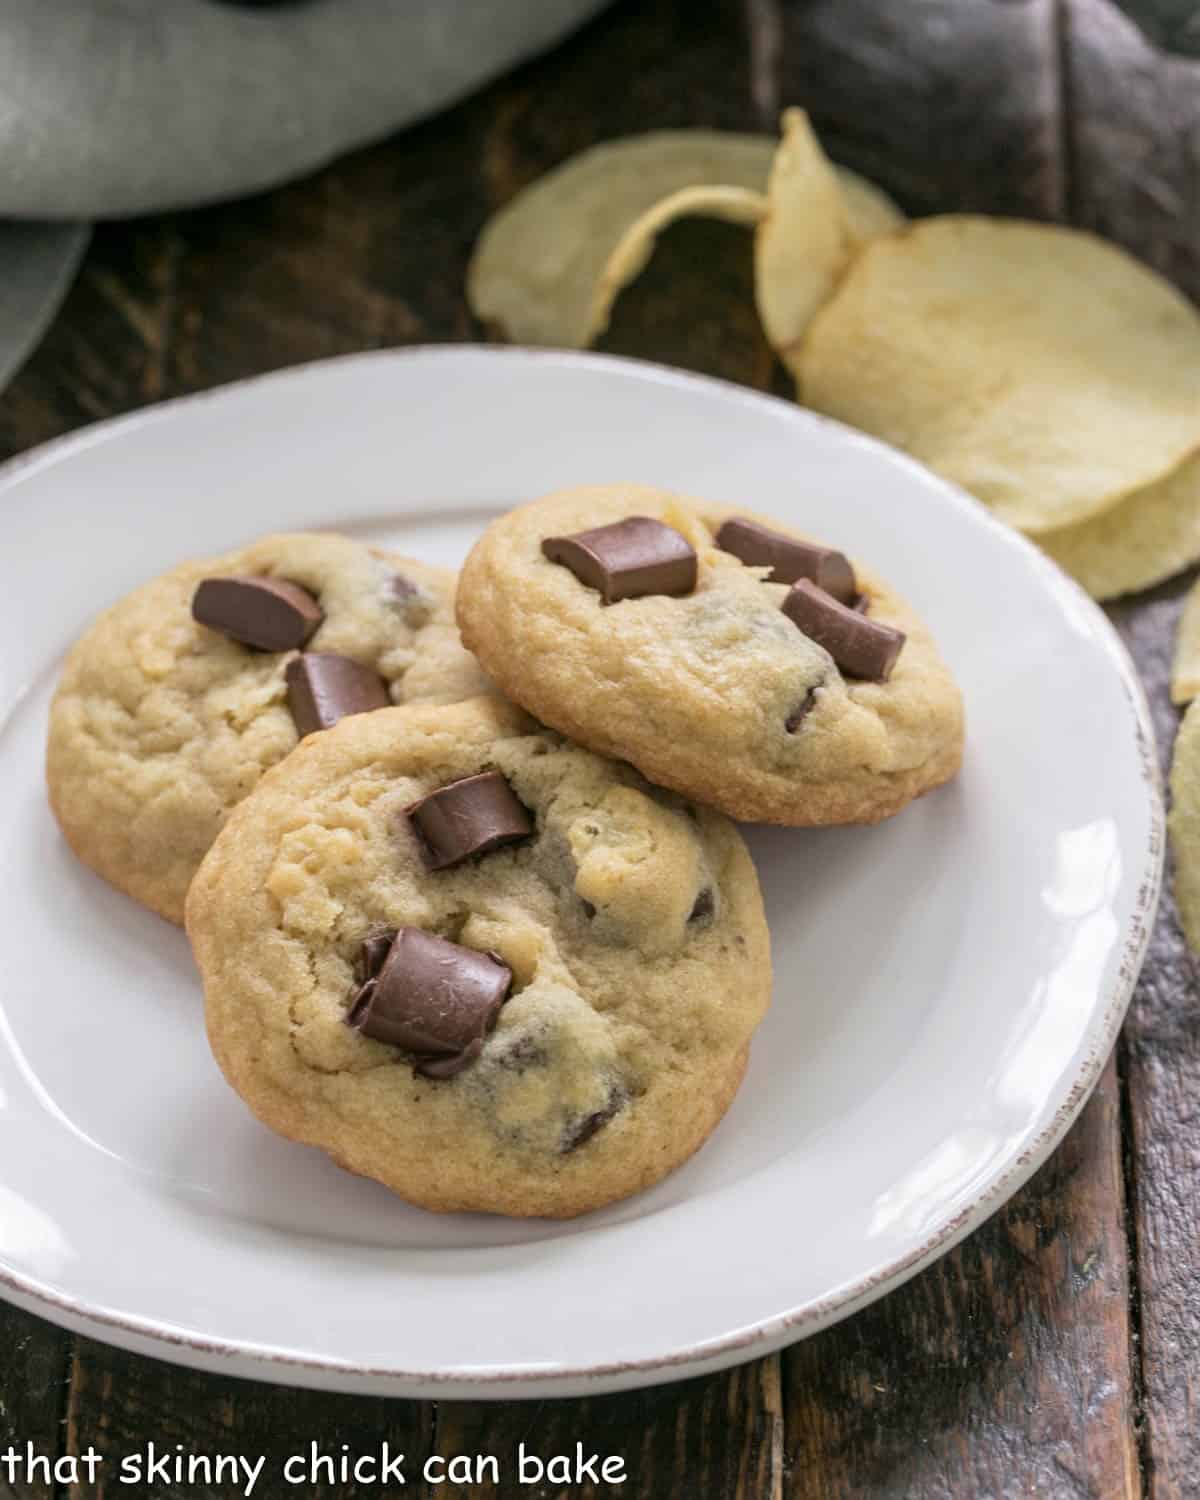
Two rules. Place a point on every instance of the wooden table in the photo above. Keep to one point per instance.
(1056, 1351)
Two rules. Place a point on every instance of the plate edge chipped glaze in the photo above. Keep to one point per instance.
(160, 1339)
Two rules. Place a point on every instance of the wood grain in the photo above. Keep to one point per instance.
(33, 1394)
(1002, 1370)
(1162, 1065)
(122, 1403)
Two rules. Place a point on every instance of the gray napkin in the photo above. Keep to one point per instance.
(1173, 25)
(115, 107)
(37, 262)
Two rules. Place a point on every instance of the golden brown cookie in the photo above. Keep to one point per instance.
(738, 691)
(480, 964)
(161, 725)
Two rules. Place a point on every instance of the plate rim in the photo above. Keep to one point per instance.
(157, 1338)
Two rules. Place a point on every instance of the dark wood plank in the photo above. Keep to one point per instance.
(33, 1392)
(950, 104)
(1002, 1370)
(1162, 1052)
(715, 1438)
(1134, 149)
(106, 351)
(122, 1403)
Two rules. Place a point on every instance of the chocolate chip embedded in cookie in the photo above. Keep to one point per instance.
(540, 1024)
(181, 695)
(323, 687)
(786, 683)
(628, 559)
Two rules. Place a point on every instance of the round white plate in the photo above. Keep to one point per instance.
(949, 983)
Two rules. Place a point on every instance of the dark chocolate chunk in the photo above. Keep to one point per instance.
(589, 909)
(372, 954)
(468, 817)
(402, 588)
(861, 647)
(323, 687)
(628, 559)
(703, 906)
(788, 559)
(431, 998)
(802, 710)
(580, 1130)
(269, 613)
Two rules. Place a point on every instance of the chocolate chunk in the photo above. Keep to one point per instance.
(323, 688)
(372, 954)
(627, 559)
(580, 1130)
(269, 613)
(802, 710)
(788, 559)
(431, 998)
(861, 647)
(401, 588)
(468, 817)
(703, 906)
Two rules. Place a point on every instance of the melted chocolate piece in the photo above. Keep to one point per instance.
(434, 999)
(861, 647)
(372, 954)
(628, 559)
(580, 1130)
(468, 817)
(704, 906)
(269, 613)
(401, 588)
(802, 710)
(788, 559)
(323, 687)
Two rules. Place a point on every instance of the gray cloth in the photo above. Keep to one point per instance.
(115, 107)
(1173, 25)
(37, 262)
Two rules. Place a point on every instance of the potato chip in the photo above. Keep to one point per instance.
(805, 242)
(871, 211)
(535, 271)
(1138, 542)
(636, 246)
(538, 260)
(1185, 669)
(1043, 370)
(1184, 823)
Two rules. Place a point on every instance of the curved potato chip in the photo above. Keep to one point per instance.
(1136, 543)
(870, 209)
(1185, 669)
(1043, 370)
(538, 260)
(1184, 823)
(635, 247)
(805, 242)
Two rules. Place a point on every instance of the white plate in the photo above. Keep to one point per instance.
(949, 983)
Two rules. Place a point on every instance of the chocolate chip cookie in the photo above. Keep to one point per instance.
(482, 965)
(180, 696)
(721, 653)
